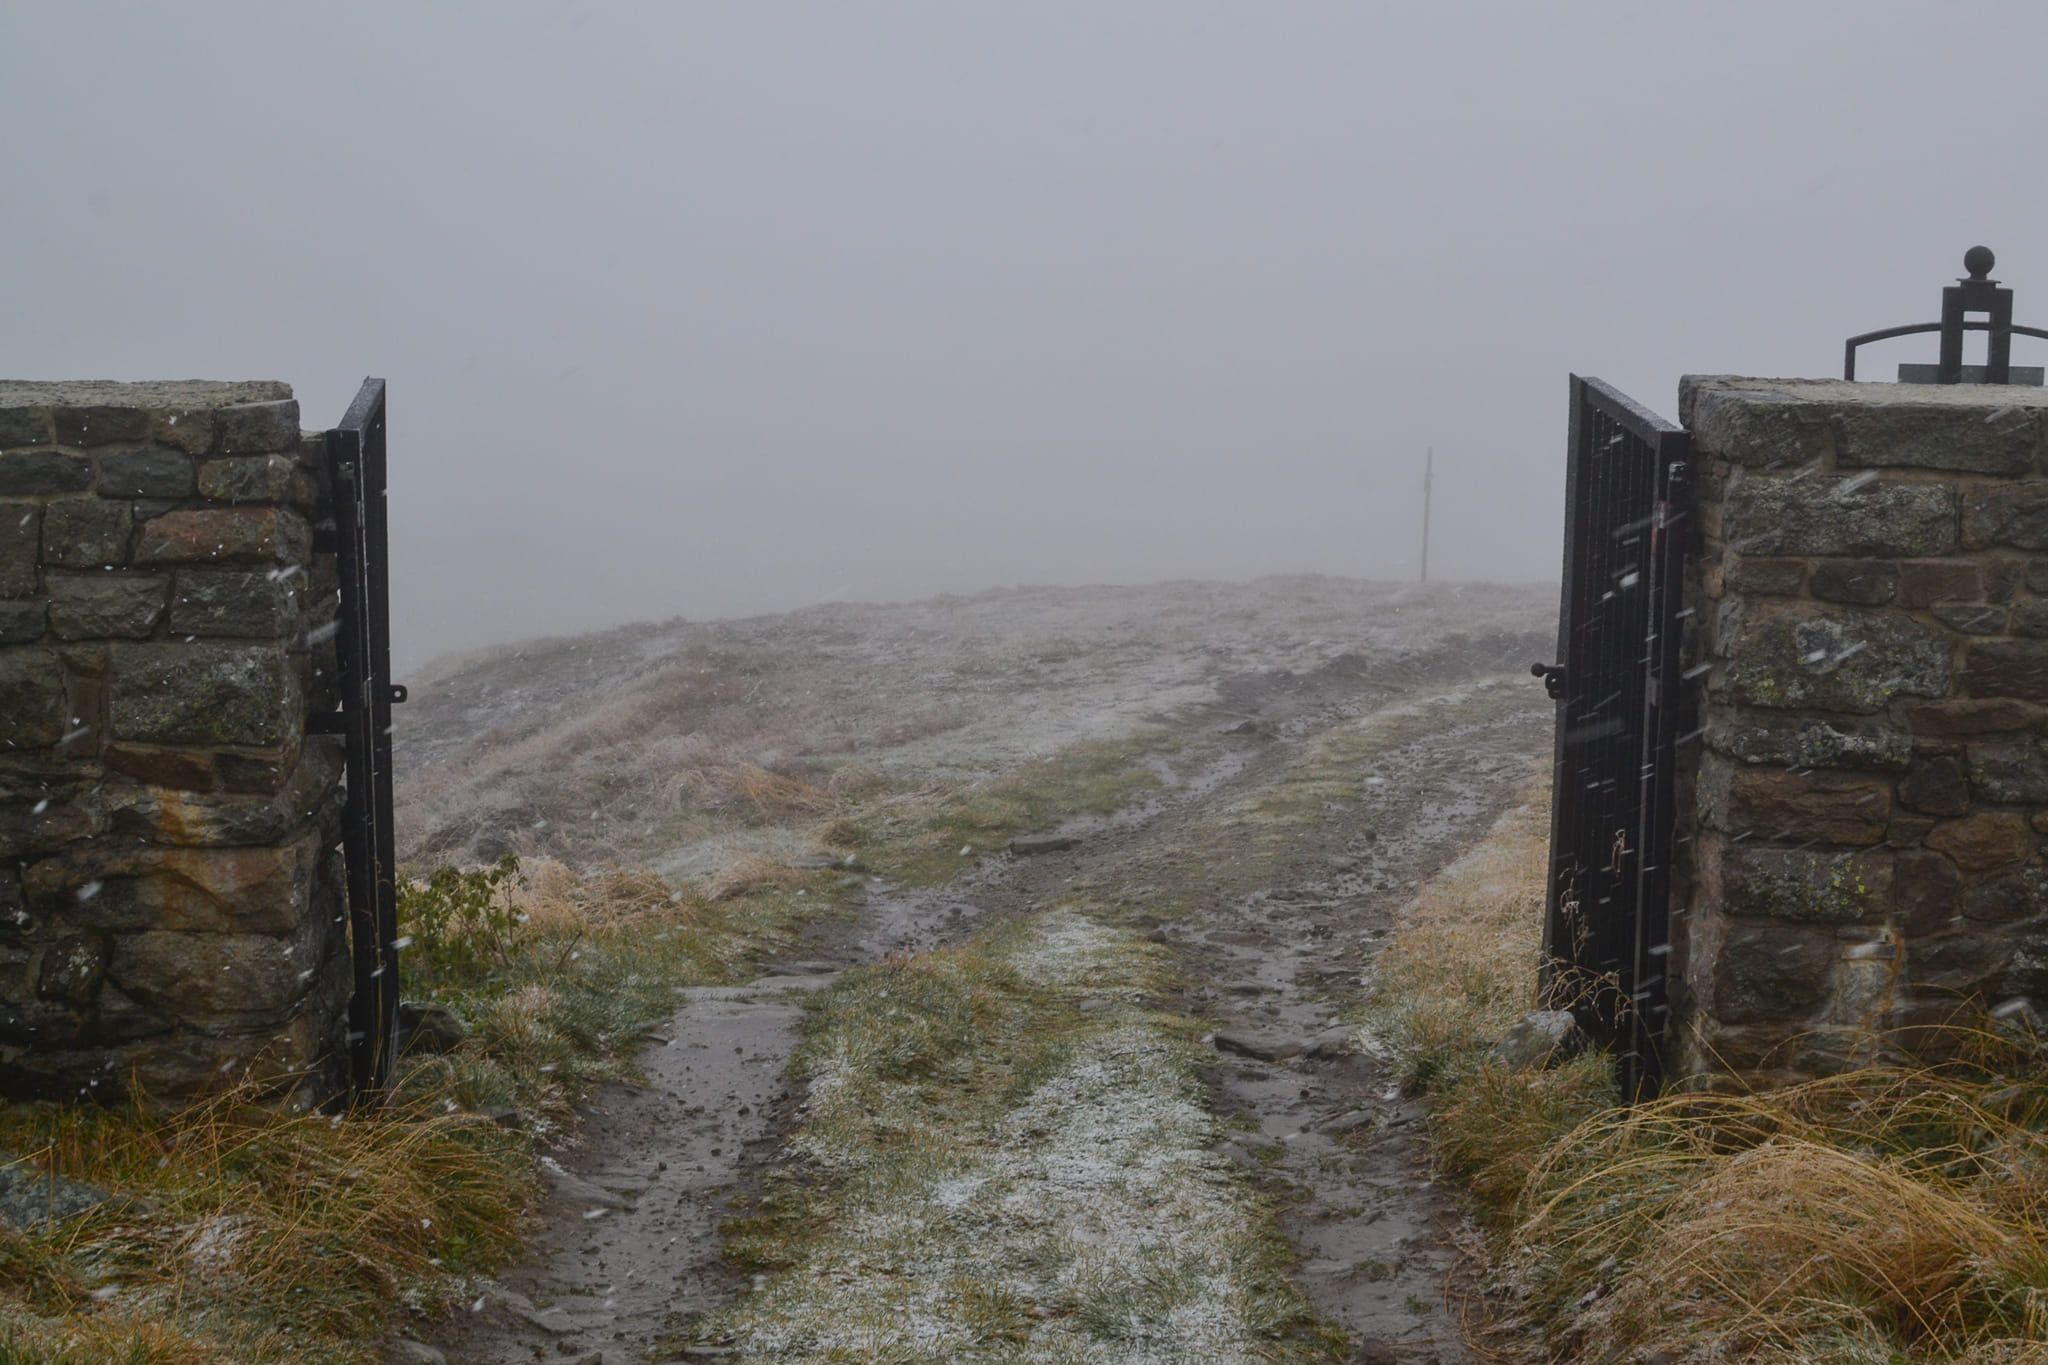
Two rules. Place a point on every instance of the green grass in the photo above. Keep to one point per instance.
(926, 837)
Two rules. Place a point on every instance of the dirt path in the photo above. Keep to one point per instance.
(1278, 923)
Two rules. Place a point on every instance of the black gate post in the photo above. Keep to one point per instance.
(356, 461)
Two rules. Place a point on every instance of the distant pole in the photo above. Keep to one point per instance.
(1428, 477)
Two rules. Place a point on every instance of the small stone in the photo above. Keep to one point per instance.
(1541, 1038)
(32, 709)
(1256, 1047)
(2012, 772)
(31, 1199)
(407, 1352)
(430, 1028)
(1339, 1040)
(1030, 846)
(1243, 727)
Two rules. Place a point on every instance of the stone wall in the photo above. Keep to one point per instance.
(1865, 831)
(170, 889)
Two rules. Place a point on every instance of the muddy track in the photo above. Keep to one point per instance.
(626, 1259)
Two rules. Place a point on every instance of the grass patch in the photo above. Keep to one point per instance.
(246, 1232)
(926, 837)
(1007, 1156)
(1883, 1217)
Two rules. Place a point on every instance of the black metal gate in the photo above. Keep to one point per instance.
(355, 454)
(1628, 532)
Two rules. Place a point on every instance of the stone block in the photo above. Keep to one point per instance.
(2030, 618)
(1927, 890)
(256, 479)
(99, 606)
(252, 603)
(2009, 514)
(72, 969)
(1798, 807)
(1792, 656)
(255, 890)
(2007, 897)
(1805, 742)
(1768, 972)
(32, 709)
(21, 622)
(1938, 786)
(176, 768)
(1964, 717)
(176, 693)
(1803, 885)
(225, 534)
(254, 773)
(1757, 427)
(2037, 575)
(1906, 831)
(152, 472)
(1784, 516)
(181, 816)
(1922, 583)
(1766, 577)
(34, 825)
(2017, 668)
(228, 980)
(2013, 771)
(1960, 439)
(1971, 618)
(99, 425)
(189, 429)
(1958, 964)
(23, 426)
(21, 542)
(1859, 582)
(86, 533)
(1983, 841)
(256, 428)
(43, 473)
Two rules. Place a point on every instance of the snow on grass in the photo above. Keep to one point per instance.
(1017, 1178)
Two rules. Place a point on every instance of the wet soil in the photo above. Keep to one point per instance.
(626, 1260)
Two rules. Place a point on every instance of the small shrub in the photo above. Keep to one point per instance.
(462, 924)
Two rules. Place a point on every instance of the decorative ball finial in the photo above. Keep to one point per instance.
(1978, 260)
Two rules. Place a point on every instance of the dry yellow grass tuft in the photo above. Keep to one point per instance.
(1883, 1217)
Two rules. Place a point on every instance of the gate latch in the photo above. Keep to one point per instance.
(1553, 678)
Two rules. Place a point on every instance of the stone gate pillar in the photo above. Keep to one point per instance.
(1863, 852)
(170, 896)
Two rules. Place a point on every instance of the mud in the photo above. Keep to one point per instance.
(1278, 946)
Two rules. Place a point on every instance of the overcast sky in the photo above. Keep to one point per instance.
(715, 309)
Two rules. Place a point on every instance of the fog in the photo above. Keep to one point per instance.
(719, 309)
